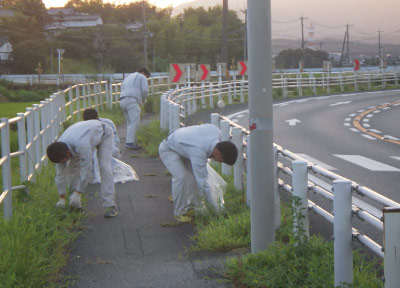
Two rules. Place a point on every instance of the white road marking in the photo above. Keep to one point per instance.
(368, 136)
(293, 122)
(354, 130)
(375, 131)
(235, 120)
(395, 157)
(368, 163)
(240, 116)
(365, 120)
(347, 124)
(347, 119)
(315, 161)
(385, 108)
(376, 111)
(391, 137)
(366, 125)
(340, 103)
(352, 114)
(370, 115)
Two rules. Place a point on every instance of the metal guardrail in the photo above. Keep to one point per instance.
(38, 127)
(176, 104)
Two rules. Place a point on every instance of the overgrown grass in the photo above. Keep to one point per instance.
(150, 137)
(34, 240)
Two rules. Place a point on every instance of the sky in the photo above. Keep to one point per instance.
(159, 3)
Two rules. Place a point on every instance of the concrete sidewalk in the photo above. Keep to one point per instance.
(135, 249)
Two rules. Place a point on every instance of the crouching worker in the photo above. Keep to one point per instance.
(73, 153)
(92, 114)
(185, 153)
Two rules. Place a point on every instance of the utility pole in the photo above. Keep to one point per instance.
(245, 36)
(224, 36)
(320, 45)
(144, 35)
(261, 162)
(302, 31)
(379, 45)
(348, 45)
(341, 54)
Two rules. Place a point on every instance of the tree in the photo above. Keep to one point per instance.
(290, 58)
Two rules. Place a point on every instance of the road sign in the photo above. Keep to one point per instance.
(177, 73)
(242, 68)
(356, 65)
(204, 72)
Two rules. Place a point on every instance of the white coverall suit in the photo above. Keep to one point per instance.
(82, 139)
(116, 153)
(134, 90)
(185, 153)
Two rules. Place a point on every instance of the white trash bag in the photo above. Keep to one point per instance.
(122, 172)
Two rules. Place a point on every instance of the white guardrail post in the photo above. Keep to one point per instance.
(391, 220)
(210, 88)
(22, 147)
(36, 135)
(171, 117)
(300, 191)
(225, 130)
(277, 198)
(342, 227)
(177, 116)
(6, 168)
(30, 138)
(237, 139)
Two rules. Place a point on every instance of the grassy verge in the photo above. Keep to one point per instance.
(289, 262)
(33, 242)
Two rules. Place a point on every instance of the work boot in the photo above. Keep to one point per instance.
(110, 212)
(132, 146)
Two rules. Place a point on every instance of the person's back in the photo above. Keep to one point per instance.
(135, 86)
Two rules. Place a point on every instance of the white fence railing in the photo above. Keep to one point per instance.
(302, 175)
(38, 127)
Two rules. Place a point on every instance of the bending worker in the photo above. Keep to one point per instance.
(92, 114)
(185, 153)
(73, 153)
(134, 90)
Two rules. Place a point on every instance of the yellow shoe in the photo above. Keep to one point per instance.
(190, 212)
(183, 219)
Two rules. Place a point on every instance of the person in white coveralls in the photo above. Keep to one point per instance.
(92, 114)
(74, 151)
(185, 153)
(134, 90)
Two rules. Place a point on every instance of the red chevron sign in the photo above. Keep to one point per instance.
(356, 65)
(243, 69)
(178, 73)
(204, 71)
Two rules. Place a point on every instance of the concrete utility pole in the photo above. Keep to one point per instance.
(348, 45)
(379, 45)
(224, 36)
(261, 125)
(144, 35)
(302, 31)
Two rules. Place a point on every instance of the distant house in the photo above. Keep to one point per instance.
(62, 18)
(5, 50)
(134, 27)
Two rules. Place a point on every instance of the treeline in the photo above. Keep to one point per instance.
(191, 37)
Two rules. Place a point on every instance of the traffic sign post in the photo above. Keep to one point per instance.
(177, 73)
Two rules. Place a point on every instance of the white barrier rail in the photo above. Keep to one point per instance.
(176, 104)
(38, 127)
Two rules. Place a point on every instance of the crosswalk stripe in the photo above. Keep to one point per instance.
(367, 163)
(395, 157)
